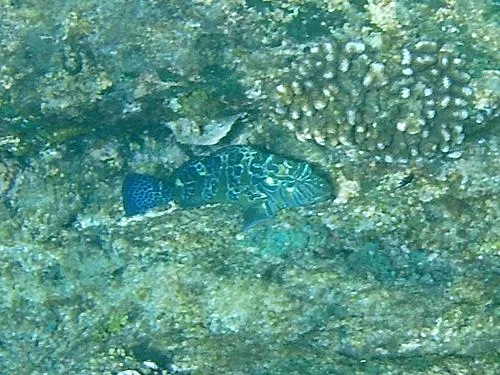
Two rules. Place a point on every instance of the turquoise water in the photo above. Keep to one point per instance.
(395, 102)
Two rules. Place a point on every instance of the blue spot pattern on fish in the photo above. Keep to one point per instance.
(258, 181)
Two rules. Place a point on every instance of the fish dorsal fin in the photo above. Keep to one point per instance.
(257, 213)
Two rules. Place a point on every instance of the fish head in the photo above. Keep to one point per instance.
(315, 187)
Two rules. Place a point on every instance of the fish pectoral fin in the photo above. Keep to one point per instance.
(258, 213)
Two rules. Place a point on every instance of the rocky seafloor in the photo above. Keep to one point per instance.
(396, 101)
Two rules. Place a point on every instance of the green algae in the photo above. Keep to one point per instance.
(116, 323)
(201, 105)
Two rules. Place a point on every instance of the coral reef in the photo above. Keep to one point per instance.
(416, 102)
(399, 274)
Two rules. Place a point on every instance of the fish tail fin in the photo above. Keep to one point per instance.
(143, 192)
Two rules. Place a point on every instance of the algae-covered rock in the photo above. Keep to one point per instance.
(397, 275)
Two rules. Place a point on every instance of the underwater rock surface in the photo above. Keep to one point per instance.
(398, 274)
(189, 132)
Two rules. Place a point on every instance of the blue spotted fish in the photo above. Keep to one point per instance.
(258, 181)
